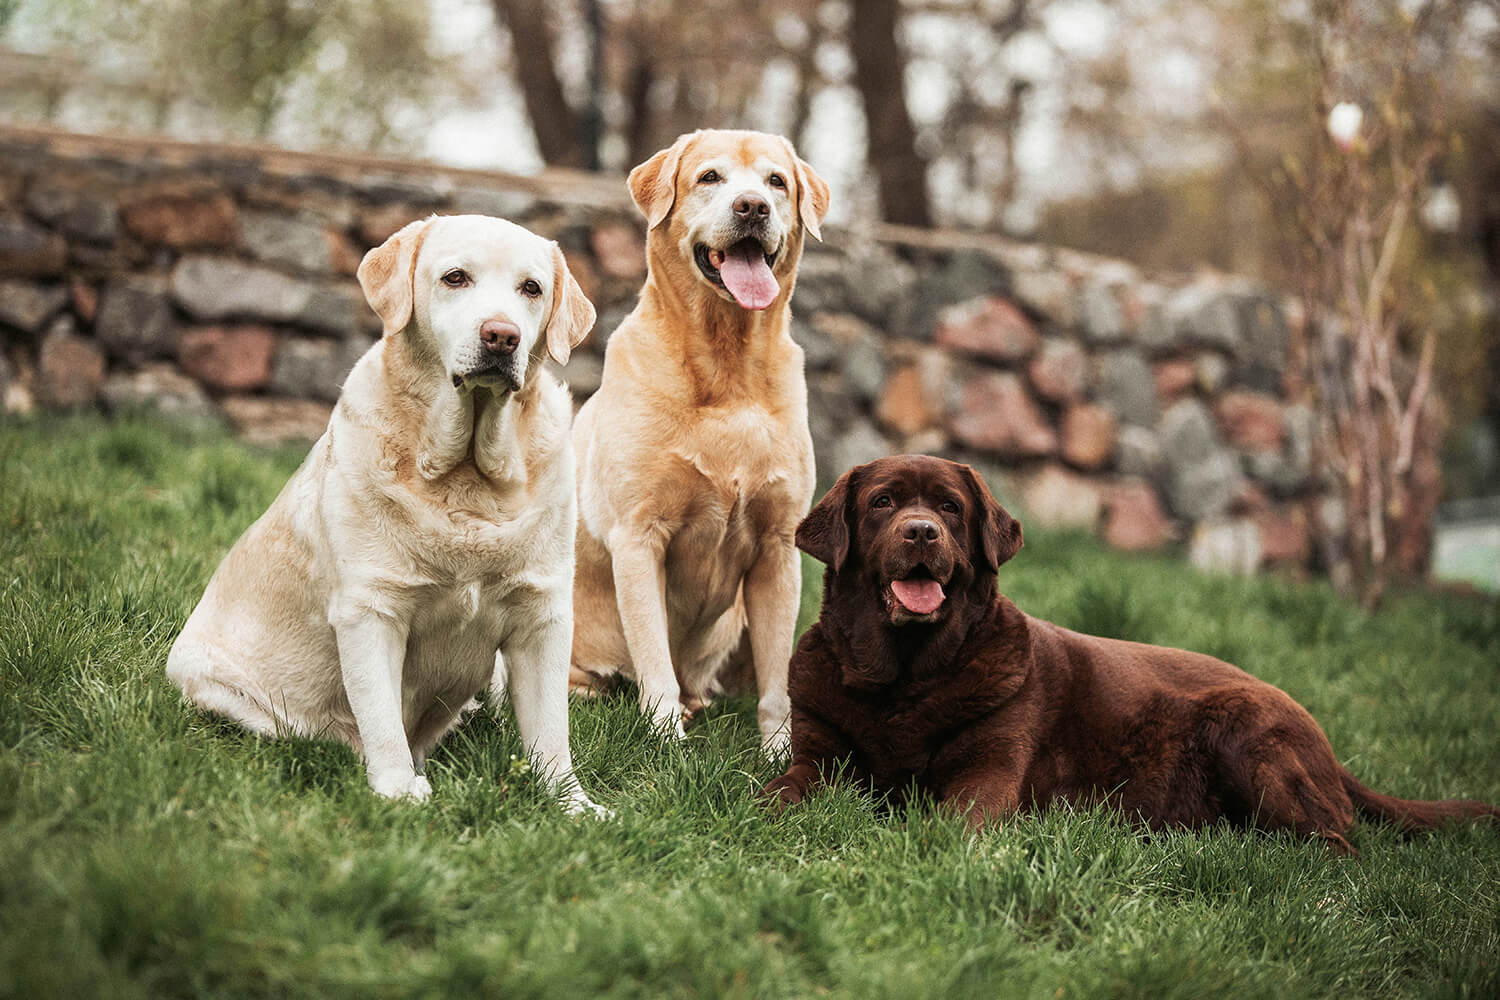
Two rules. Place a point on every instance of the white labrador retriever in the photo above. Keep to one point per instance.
(425, 547)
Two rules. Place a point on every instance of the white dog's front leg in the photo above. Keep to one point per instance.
(372, 651)
(446, 432)
(641, 592)
(772, 591)
(536, 664)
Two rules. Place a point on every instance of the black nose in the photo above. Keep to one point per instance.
(749, 205)
(499, 336)
(917, 530)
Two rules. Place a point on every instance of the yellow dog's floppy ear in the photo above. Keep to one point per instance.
(385, 275)
(653, 184)
(572, 315)
(812, 194)
(824, 532)
(999, 533)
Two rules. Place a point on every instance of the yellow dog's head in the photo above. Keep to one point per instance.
(735, 205)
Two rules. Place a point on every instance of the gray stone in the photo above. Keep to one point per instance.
(1288, 471)
(583, 374)
(1265, 343)
(1138, 452)
(1226, 547)
(1046, 291)
(876, 280)
(1056, 497)
(307, 368)
(1153, 331)
(27, 306)
(211, 288)
(1124, 383)
(820, 285)
(296, 241)
(966, 274)
(135, 320)
(499, 202)
(27, 249)
(863, 366)
(859, 444)
(1211, 372)
(78, 213)
(818, 348)
(1205, 313)
(1203, 477)
(1102, 319)
(158, 388)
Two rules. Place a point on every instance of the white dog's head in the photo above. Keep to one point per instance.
(484, 295)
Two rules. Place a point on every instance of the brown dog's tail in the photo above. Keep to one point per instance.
(1414, 814)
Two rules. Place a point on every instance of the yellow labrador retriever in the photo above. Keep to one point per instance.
(430, 529)
(694, 459)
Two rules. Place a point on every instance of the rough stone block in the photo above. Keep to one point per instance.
(1134, 519)
(1123, 382)
(1231, 547)
(299, 242)
(307, 368)
(1058, 498)
(619, 249)
(182, 216)
(217, 288)
(235, 357)
(1059, 373)
(158, 388)
(268, 420)
(70, 368)
(135, 319)
(996, 414)
(989, 327)
(1088, 436)
(1251, 421)
(27, 306)
(28, 250)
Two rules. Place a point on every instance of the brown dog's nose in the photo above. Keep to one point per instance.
(499, 336)
(749, 204)
(918, 530)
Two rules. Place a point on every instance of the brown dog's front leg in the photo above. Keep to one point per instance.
(983, 799)
(817, 751)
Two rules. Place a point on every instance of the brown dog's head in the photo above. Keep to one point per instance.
(734, 204)
(913, 534)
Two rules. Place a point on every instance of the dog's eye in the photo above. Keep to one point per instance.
(948, 507)
(456, 278)
(777, 181)
(708, 177)
(530, 288)
(884, 500)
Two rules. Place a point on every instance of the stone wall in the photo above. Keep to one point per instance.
(216, 283)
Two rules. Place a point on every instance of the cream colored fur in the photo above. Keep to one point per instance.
(694, 459)
(424, 550)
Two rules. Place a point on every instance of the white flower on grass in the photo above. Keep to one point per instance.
(1344, 122)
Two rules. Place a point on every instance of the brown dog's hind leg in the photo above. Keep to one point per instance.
(1286, 795)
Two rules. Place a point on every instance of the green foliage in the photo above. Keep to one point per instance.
(149, 851)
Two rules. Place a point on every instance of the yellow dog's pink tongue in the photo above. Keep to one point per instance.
(747, 275)
(920, 597)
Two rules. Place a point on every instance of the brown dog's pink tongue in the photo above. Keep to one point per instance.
(747, 275)
(920, 597)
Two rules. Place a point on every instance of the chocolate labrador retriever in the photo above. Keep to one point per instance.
(918, 674)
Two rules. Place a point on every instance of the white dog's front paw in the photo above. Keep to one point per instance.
(579, 804)
(666, 718)
(777, 744)
(401, 785)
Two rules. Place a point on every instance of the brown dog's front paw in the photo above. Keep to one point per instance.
(782, 792)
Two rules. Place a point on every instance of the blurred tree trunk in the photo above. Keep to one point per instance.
(879, 75)
(554, 122)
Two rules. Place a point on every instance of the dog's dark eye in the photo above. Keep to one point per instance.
(530, 288)
(777, 181)
(708, 177)
(884, 500)
(456, 278)
(948, 507)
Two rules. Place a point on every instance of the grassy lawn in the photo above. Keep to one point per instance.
(149, 851)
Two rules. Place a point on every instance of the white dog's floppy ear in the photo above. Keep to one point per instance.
(653, 184)
(812, 194)
(572, 315)
(386, 275)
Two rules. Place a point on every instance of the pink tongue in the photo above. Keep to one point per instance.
(921, 597)
(748, 277)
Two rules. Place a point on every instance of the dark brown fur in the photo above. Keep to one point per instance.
(992, 711)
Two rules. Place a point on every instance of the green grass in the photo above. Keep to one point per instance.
(148, 851)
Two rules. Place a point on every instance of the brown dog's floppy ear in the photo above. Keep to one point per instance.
(812, 194)
(824, 532)
(653, 184)
(999, 533)
(572, 315)
(385, 275)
